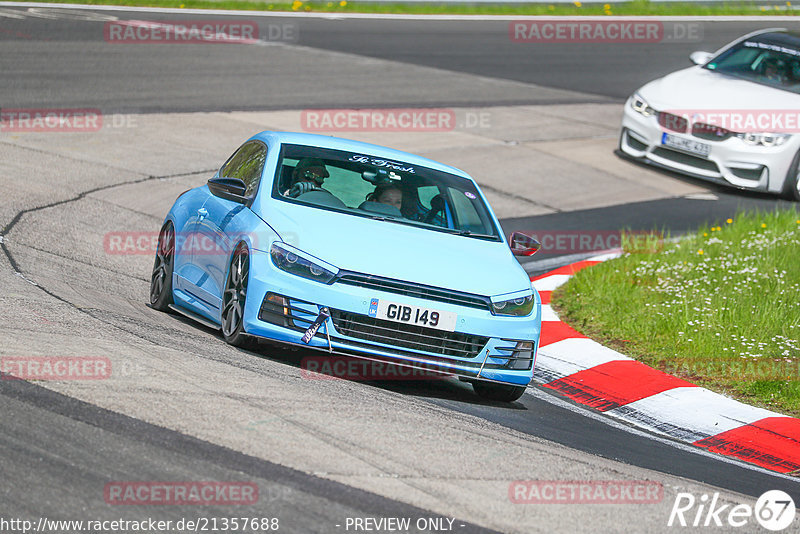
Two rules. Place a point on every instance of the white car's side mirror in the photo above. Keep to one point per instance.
(700, 58)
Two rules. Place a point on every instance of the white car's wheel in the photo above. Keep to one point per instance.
(791, 188)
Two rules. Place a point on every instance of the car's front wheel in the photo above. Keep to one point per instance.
(161, 279)
(497, 392)
(234, 299)
(791, 188)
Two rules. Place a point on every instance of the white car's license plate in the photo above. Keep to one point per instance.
(687, 145)
(414, 315)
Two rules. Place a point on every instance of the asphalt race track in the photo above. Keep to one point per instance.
(181, 405)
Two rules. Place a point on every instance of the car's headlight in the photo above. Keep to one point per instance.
(519, 306)
(764, 139)
(640, 105)
(290, 261)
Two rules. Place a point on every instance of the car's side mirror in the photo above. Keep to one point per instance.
(523, 244)
(700, 58)
(228, 188)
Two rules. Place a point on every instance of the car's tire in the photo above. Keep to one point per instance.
(234, 299)
(161, 279)
(791, 187)
(497, 392)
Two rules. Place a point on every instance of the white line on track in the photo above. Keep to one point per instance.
(334, 16)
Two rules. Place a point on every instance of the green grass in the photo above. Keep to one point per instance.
(720, 308)
(637, 7)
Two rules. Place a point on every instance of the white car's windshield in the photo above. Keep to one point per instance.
(770, 59)
(377, 187)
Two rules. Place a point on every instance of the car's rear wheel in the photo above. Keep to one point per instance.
(234, 299)
(791, 188)
(497, 392)
(161, 279)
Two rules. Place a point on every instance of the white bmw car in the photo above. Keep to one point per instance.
(733, 118)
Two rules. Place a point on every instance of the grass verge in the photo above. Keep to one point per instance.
(720, 308)
(637, 7)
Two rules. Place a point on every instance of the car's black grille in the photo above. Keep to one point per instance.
(686, 159)
(748, 174)
(411, 289)
(635, 143)
(710, 132)
(407, 336)
(671, 122)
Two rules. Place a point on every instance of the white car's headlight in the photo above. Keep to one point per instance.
(640, 105)
(290, 261)
(764, 139)
(518, 307)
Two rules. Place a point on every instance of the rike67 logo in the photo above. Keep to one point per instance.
(774, 510)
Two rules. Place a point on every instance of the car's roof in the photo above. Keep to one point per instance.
(338, 143)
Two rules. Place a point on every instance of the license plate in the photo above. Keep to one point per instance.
(687, 145)
(414, 315)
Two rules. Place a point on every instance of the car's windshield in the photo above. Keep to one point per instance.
(373, 186)
(762, 60)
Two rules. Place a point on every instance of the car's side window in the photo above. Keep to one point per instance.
(467, 216)
(247, 164)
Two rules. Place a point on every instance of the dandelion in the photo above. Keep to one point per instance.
(343, 3)
(763, 225)
(729, 221)
(577, 4)
(700, 251)
(296, 5)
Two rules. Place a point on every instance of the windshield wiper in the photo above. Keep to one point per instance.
(467, 233)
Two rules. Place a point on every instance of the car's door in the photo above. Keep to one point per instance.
(186, 274)
(222, 223)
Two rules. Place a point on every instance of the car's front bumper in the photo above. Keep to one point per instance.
(730, 162)
(481, 347)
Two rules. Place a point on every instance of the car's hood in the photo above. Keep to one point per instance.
(400, 251)
(697, 88)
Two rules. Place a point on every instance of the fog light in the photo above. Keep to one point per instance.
(522, 357)
(275, 309)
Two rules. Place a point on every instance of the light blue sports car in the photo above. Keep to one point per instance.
(353, 249)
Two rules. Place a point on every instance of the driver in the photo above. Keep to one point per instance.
(389, 194)
(308, 175)
(775, 69)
